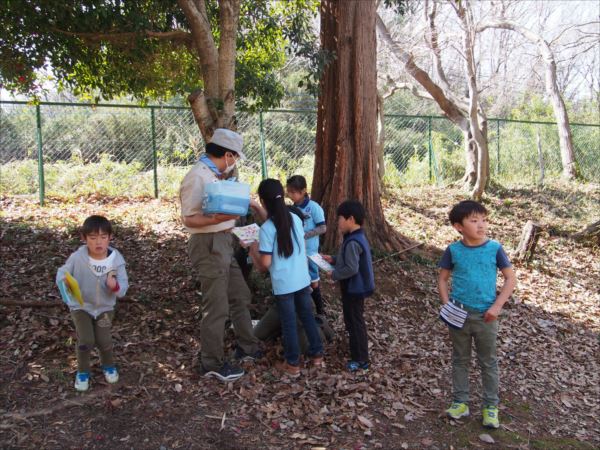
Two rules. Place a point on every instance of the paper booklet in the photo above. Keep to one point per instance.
(247, 234)
(320, 261)
(69, 290)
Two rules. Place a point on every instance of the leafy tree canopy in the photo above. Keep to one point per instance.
(144, 47)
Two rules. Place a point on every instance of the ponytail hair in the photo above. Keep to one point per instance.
(271, 193)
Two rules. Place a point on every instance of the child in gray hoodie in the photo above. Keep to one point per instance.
(100, 273)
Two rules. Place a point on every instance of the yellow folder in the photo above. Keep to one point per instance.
(73, 287)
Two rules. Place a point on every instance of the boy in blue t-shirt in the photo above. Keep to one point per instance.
(314, 226)
(473, 263)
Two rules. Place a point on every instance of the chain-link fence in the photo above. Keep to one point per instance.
(65, 149)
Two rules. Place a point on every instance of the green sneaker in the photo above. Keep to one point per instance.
(457, 410)
(490, 417)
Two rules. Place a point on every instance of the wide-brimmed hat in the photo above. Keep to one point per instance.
(230, 140)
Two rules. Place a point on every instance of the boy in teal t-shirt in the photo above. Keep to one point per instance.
(314, 226)
(473, 263)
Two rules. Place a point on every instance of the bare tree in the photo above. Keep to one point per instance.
(560, 111)
(466, 112)
(503, 65)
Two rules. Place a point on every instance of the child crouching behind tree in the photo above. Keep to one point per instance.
(472, 308)
(100, 273)
(353, 268)
(281, 250)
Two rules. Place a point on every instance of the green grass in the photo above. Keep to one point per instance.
(71, 179)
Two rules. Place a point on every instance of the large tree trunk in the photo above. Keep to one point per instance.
(346, 151)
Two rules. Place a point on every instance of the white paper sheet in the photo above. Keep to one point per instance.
(247, 234)
(320, 261)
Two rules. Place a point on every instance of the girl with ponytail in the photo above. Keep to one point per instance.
(281, 251)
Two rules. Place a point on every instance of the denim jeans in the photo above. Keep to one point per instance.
(300, 303)
(484, 334)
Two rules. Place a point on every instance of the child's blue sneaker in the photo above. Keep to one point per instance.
(354, 366)
(111, 375)
(82, 381)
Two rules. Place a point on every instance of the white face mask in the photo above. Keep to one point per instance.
(229, 168)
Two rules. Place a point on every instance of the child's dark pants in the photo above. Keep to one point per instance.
(353, 307)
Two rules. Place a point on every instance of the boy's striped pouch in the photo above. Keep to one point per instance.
(453, 315)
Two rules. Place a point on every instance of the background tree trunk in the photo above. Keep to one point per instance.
(214, 105)
(346, 151)
(477, 119)
(470, 176)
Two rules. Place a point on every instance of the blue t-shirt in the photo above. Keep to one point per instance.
(287, 274)
(474, 272)
(313, 217)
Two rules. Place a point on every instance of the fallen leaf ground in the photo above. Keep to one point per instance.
(548, 347)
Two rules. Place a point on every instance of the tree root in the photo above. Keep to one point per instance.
(67, 403)
(46, 304)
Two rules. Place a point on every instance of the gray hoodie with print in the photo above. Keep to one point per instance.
(97, 297)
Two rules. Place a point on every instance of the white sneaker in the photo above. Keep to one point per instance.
(110, 374)
(82, 381)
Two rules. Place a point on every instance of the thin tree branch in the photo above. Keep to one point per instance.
(449, 107)
(175, 35)
(558, 36)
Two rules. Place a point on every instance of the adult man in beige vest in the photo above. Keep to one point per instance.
(210, 248)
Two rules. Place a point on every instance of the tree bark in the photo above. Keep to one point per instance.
(380, 142)
(346, 150)
(567, 152)
(470, 176)
(528, 242)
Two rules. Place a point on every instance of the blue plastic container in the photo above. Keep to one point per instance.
(226, 197)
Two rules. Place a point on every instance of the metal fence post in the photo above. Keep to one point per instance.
(154, 157)
(497, 146)
(430, 150)
(38, 120)
(263, 154)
